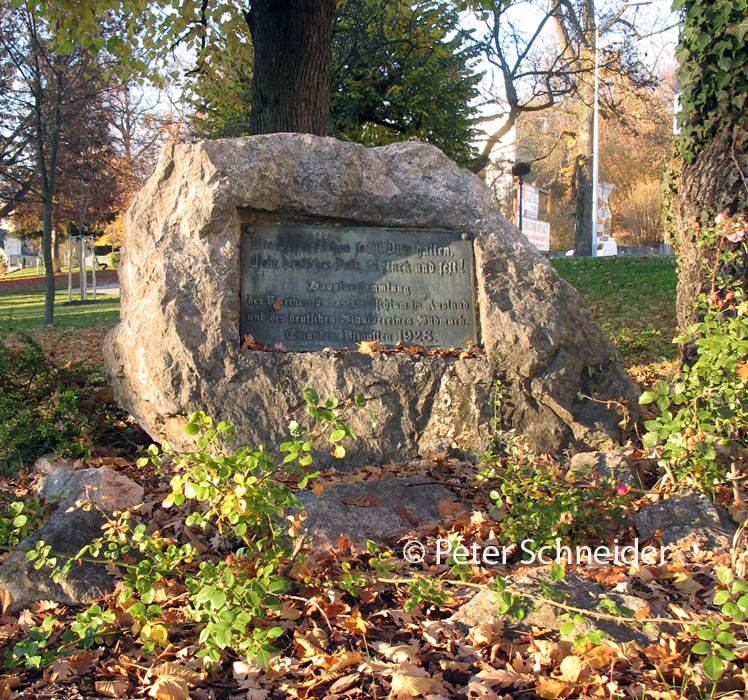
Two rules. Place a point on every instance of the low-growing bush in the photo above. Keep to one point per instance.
(701, 433)
(240, 498)
(538, 502)
(45, 408)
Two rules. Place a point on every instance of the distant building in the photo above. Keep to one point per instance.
(17, 253)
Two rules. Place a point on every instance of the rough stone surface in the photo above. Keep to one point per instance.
(66, 533)
(177, 347)
(482, 607)
(48, 464)
(328, 515)
(687, 516)
(606, 464)
(104, 487)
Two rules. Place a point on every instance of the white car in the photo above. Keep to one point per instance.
(606, 247)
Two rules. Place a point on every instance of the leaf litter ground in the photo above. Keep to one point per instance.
(360, 642)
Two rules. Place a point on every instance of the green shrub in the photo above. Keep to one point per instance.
(702, 429)
(538, 502)
(47, 408)
(239, 497)
(18, 519)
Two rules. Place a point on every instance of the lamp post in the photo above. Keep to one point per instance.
(519, 170)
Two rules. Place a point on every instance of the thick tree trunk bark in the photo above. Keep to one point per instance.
(292, 56)
(714, 182)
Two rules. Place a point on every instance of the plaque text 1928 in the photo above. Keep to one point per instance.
(309, 287)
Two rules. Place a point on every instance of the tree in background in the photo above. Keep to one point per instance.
(47, 93)
(15, 138)
(709, 169)
(291, 42)
(635, 137)
(140, 118)
(550, 60)
(399, 71)
(88, 189)
(635, 143)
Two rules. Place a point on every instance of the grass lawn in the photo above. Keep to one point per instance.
(23, 272)
(31, 272)
(25, 310)
(633, 299)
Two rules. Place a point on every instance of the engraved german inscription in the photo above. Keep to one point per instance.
(310, 287)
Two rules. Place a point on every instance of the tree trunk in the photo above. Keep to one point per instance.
(292, 55)
(583, 168)
(713, 183)
(57, 240)
(49, 272)
(581, 188)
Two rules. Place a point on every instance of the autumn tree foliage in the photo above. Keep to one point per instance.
(47, 93)
(709, 169)
(635, 138)
(543, 57)
(635, 142)
(88, 189)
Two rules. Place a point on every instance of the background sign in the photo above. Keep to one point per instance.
(530, 201)
(538, 233)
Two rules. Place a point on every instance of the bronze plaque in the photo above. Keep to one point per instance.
(310, 287)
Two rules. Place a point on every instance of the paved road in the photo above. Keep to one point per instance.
(100, 289)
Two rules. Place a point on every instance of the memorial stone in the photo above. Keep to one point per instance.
(307, 245)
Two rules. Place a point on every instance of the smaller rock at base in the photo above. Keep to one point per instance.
(608, 465)
(579, 593)
(687, 516)
(66, 533)
(381, 509)
(104, 487)
(46, 464)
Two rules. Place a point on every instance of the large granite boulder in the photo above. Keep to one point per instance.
(177, 348)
